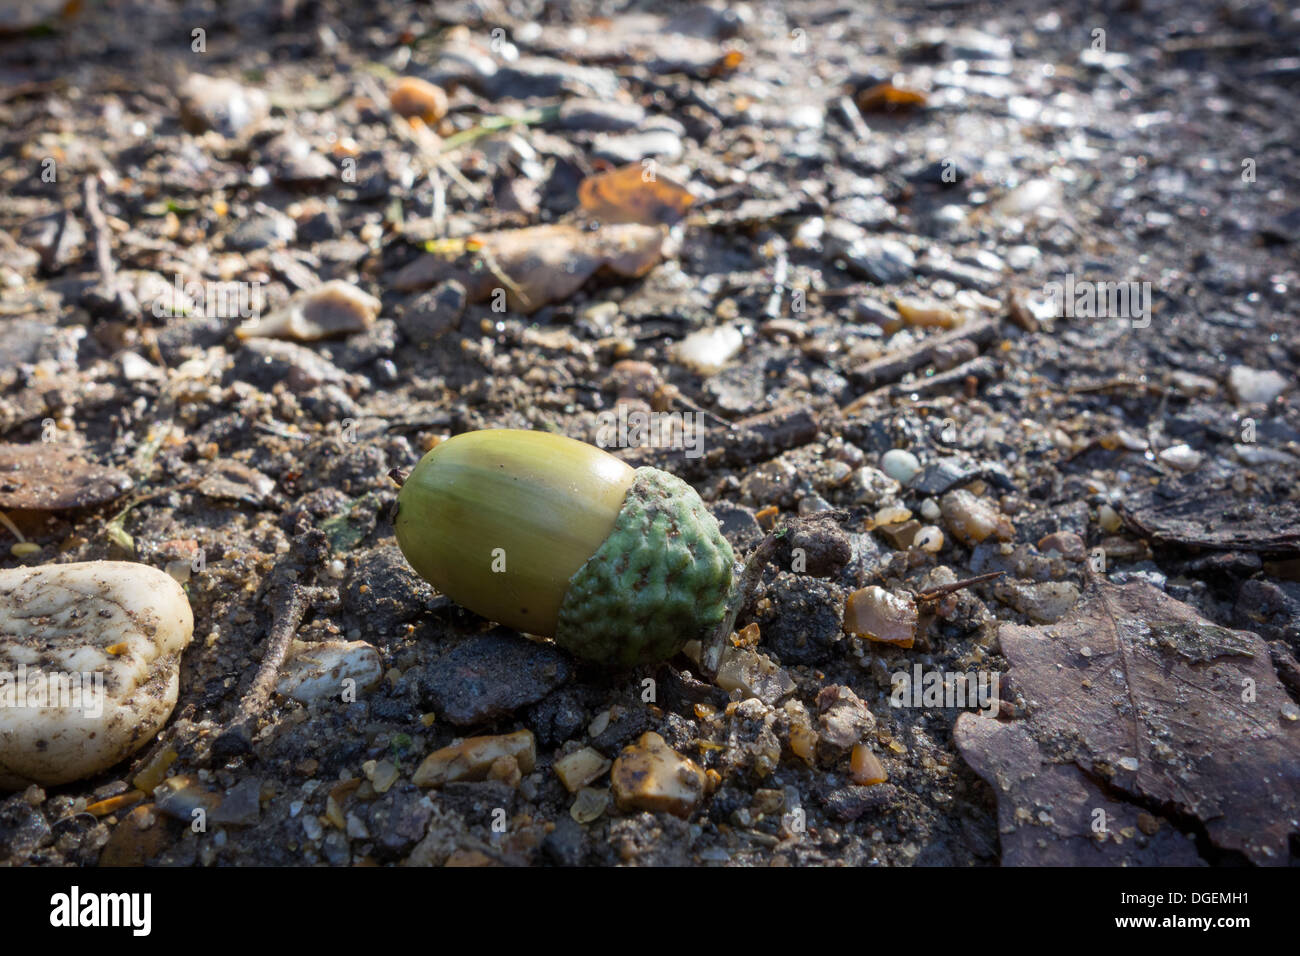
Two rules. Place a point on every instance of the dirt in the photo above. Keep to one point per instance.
(1166, 156)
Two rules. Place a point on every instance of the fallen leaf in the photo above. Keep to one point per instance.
(45, 477)
(1048, 812)
(627, 195)
(1156, 707)
(886, 97)
(1203, 513)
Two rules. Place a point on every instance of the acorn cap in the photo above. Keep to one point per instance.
(662, 578)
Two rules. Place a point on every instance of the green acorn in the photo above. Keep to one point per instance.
(555, 537)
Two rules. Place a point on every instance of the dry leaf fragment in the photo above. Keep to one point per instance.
(886, 97)
(1159, 707)
(45, 477)
(630, 194)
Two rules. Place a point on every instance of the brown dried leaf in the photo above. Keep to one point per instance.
(626, 195)
(886, 97)
(1046, 811)
(1202, 513)
(45, 477)
(1158, 707)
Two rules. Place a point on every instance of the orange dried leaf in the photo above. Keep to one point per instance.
(631, 194)
(886, 97)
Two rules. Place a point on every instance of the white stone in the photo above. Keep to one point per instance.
(708, 350)
(1256, 386)
(900, 465)
(317, 670)
(1182, 457)
(89, 666)
(335, 308)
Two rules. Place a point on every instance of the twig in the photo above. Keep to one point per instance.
(289, 603)
(112, 289)
(889, 369)
(941, 590)
(716, 642)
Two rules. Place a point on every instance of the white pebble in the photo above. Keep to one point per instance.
(1256, 386)
(89, 666)
(708, 350)
(900, 465)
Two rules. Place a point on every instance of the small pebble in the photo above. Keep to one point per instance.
(1256, 386)
(650, 775)
(900, 465)
(94, 649)
(707, 351)
(879, 615)
(414, 97)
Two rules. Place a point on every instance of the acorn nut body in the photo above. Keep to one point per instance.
(555, 537)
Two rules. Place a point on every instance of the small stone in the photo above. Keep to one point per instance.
(891, 514)
(900, 465)
(397, 821)
(241, 806)
(885, 261)
(1108, 519)
(58, 238)
(882, 616)
(843, 718)
(432, 314)
(650, 775)
(1181, 457)
(865, 767)
(707, 351)
(45, 477)
(589, 805)
(972, 520)
(136, 840)
(581, 767)
(1256, 386)
(753, 675)
(213, 103)
(264, 230)
(1037, 198)
(93, 650)
(871, 486)
(296, 163)
(335, 308)
(1044, 603)
(414, 97)
(1066, 543)
(318, 670)
(181, 796)
(473, 758)
(23, 829)
(625, 148)
(600, 116)
(929, 539)
(383, 776)
(926, 315)
(492, 675)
